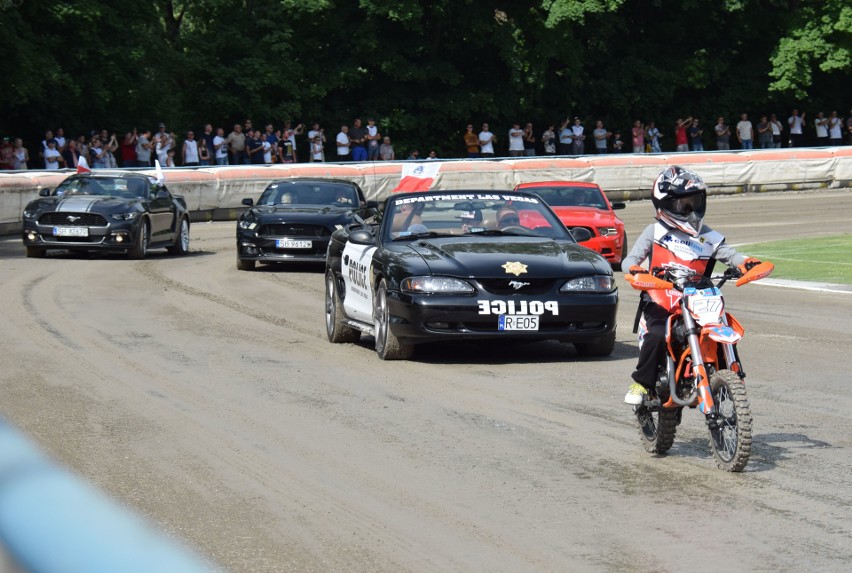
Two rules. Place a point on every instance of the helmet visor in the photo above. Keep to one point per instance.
(684, 206)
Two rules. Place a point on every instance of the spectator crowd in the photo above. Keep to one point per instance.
(244, 144)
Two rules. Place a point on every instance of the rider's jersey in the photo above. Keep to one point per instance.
(663, 245)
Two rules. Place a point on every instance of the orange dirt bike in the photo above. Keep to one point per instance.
(702, 367)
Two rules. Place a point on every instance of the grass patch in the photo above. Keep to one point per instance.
(820, 259)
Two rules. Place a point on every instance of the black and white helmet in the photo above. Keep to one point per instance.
(680, 197)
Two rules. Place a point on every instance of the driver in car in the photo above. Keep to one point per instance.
(508, 217)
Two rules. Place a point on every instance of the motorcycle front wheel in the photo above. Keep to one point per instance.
(657, 428)
(730, 439)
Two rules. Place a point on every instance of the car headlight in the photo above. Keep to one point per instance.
(125, 216)
(30, 213)
(596, 283)
(246, 224)
(437, 285)
(607, 231)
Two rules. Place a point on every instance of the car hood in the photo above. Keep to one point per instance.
(488, 258)
(320, 215)
(584, 216)
(83, 204)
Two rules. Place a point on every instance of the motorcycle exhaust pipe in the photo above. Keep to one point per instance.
(670, 370)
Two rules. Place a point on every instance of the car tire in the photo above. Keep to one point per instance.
(245, 265)
(388, 346)
(35, 253)
(335, 318)
(624, 251)
(181, 246)
(140, 248)
(600, 347)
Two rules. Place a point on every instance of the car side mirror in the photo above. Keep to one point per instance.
(44, 192)
(372, 205)
(162, 194)
(362, 237)
(248, 201)
(580, 234)
(618, 205)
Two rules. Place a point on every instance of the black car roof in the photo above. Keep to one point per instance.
(295, 180)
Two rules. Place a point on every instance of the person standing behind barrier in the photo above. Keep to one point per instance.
(486, 141)
(516, 140)
(220, 148)
(21, 155)
(128, 149)
(189, 153)
(374, 139)
(849, 127)
(290, 134)
(617, 143)
(694, 133)
(681, 141)
(797, 129)
(471, 142)
(835, 130)
(601, 136)
(653, 134)
(386, 152)
(343, 143)
(164, 144)
(777, 130)
(207, 139)
(529, 140)
(764, 133)
(638, 133)
(723, 134)
(548, 140)
(745, 132)
(821, 128)
(71, 155)
(316, 138)
(357, 140)
(236, 142)
(565, 141)
(143, 148)
(52, 158)
(578, 137)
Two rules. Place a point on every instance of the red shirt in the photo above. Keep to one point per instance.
(680, 136)
(128, 152)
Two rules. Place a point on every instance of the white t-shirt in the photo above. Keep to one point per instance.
(48, 153)
(489, 147)
(835, 130)
(796, 124)
(776, 127)
(191, 153)
(577, 130)
(342, 144)
(821, 127)
(267, 152)
(565, 136)
(372, 131)
(745, 130)
(60, 142)
(516, 139)
(222, 149)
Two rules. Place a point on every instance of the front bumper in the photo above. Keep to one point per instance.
(267, 249)
(609, 247)
(426, 318)
(115, 236)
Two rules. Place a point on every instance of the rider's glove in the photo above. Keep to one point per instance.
(636, 269)
(748, 265)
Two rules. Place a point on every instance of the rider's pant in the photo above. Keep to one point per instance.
(653, 349)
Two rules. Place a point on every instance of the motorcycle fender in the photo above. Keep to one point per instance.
(720, 333)
(735, 324)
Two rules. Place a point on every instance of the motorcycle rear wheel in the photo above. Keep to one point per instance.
(731, 439)
(657, 428)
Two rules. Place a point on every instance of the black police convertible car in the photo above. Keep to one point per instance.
(294, 219)
(468, 265)
(107, 211)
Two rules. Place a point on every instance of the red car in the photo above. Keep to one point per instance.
(585, 205)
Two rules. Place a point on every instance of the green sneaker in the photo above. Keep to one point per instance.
(635, 394)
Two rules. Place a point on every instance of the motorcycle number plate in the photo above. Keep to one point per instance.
(517, 322)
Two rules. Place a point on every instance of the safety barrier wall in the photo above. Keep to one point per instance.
(51, 521)
(217, 192)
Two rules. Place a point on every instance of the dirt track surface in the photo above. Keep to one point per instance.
(209, 400)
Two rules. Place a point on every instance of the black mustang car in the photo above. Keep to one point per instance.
(107, 211)
(468, 265)
(294, 219)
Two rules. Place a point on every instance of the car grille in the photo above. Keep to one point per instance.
(294, 230)
(76, 219)
(521, 286)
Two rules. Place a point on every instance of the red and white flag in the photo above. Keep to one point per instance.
(83, 165)
(417, 176)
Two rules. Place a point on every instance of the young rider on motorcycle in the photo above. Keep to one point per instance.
(677, 236)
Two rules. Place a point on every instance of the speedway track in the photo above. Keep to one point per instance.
(209, 400)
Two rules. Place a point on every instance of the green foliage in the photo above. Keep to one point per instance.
(423, 68)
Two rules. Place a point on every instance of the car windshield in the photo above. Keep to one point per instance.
(480, 213)
(326, 194)
(128, 188)
(568, 196)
